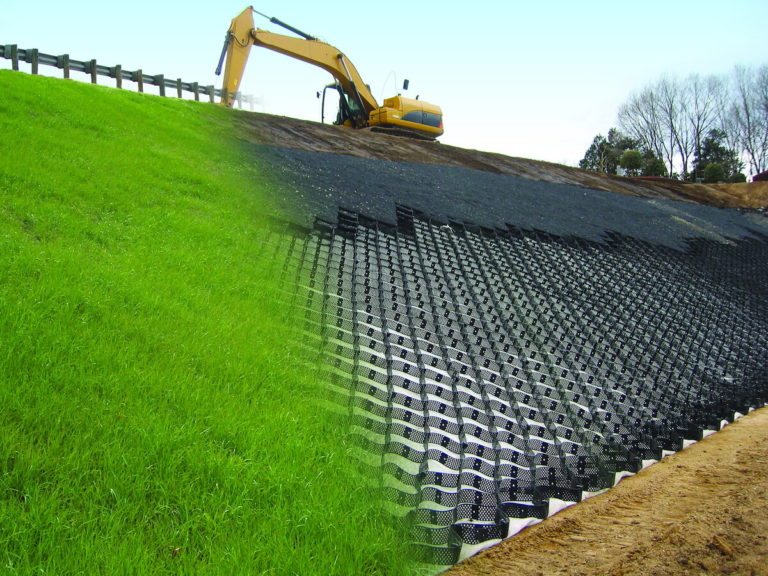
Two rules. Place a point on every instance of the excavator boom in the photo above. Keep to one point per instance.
(361, 109)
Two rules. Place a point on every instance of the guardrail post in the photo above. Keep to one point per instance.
(138, 77)
(118, 72)
(178, 87)
(210, 90)
(12, 51)
(63, 63)
(33, 57)
(92, 70)
(160, 82)
(196, 90)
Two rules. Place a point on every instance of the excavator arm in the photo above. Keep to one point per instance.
(242, 35)
(357, 106)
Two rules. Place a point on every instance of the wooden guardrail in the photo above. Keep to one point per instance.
(63, 62)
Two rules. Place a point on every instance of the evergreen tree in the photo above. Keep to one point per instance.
(632, 162)
(604, 154)
(715, 151)
(714, 172)
(653, 165)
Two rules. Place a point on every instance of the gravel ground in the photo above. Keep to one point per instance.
(316, 184)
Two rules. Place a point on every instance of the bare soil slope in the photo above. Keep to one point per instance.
(701, 511)
(303, 135)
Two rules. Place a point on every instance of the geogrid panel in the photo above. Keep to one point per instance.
(491, 371)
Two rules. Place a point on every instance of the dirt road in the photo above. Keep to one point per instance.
(701, 511)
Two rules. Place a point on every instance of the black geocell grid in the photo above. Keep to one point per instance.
(490, 372)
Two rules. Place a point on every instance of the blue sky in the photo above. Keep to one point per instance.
(531, 79)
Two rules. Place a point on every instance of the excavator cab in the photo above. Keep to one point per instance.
(399, 115)
(348, 113)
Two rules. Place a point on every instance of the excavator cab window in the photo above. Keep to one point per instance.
(322, 105)
(348, 109)
(343, 114)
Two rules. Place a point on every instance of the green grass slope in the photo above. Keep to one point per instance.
(154, 415)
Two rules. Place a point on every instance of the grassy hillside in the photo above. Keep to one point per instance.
(154, 417)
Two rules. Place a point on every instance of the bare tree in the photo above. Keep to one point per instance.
(675, 102)
(640, 119)
(672, 118)
(657, 118)
(762, 89)
(702, 112)
(761, 97)
(749, 115)
(725, 123)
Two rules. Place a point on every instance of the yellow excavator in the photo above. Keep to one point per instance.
(357, 106)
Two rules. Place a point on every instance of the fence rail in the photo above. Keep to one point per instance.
(63, 62)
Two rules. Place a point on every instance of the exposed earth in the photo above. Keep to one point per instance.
(701, 511)
(295, 134)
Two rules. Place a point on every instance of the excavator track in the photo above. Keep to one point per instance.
(401, 132)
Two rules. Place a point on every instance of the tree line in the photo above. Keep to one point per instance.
(700, 128)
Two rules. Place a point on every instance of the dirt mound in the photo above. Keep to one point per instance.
(702, 510)
(746, 194)
(304, 135)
